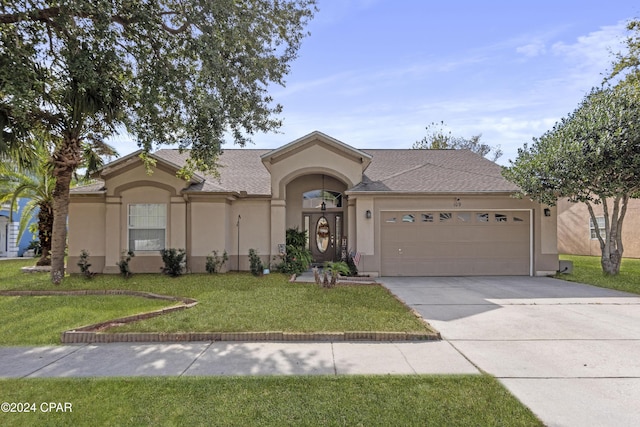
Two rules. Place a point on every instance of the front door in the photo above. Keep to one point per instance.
(325, 235)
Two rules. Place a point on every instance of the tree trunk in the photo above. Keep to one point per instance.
(611, 246)
(45, 227)
(611, 263)
(66, 159)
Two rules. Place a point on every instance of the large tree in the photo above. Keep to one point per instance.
(592, 156)
(438, 138)
(185, 72)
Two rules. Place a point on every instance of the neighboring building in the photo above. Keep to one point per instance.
(9, 244)
(577, 235)
(405, 212)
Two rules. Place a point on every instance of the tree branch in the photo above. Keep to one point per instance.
(45, 15)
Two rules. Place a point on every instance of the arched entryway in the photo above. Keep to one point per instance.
(316, 204)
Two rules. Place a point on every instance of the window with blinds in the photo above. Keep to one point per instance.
(147, 226)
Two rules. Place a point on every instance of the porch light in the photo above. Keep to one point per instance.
(547, 212)
(367, 214)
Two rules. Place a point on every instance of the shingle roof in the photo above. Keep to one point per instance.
(93, 187)
(404, 171)
(432, 171)
(239, 170)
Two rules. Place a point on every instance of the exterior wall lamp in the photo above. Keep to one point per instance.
(547, 212)
(367, 214)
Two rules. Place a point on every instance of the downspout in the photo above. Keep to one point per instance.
(188, 240)
(238, 225)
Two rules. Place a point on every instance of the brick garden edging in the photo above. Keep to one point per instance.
(92, 333)
(81, 337)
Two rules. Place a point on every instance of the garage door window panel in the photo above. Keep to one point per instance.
(463, 217)
(482, 217)
(410, 218)
(427, 217)
(500, 217)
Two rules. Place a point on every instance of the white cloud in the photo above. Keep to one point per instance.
(532, 49)
(591, 55)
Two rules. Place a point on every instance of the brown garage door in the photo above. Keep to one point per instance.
(470, 243)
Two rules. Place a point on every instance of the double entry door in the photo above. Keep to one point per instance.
(324, 230)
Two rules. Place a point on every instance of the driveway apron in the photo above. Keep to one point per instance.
(568, 351)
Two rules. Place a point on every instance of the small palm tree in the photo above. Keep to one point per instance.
(36, 184)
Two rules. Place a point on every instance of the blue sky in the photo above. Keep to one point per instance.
(375, 73)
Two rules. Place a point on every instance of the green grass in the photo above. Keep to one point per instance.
(587, 269)
(270, 401)
(40, 320)
(232, 302)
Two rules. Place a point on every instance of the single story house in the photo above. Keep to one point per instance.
(577, 233)
(404, 212)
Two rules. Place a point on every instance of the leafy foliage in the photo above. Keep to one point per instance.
(174, 261)
(84, 264)
(215, 262)
(353, 268)
(123, 264)
(255, 263)
(592, 156)
(334, 269)
(30, 177)
(627, 65)
(440, 139)
(297, 257)
(170, 71)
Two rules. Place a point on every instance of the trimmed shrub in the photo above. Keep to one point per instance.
(123, 264)
(215, 262)
(174, 261)
(255, 263)
(297, 257)
(84, 264)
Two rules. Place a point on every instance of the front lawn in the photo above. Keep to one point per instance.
(40, 320)
(477, 400)
(232, 302)
(587, 269)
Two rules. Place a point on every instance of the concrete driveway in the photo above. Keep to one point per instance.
(570, 352)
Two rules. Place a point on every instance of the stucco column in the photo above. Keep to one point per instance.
(546, 262)
(278, 225)
(351, 224)
(113, 245)
(364, 226)
(178, 228)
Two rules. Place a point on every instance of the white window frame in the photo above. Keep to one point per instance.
(158, 225)
(601, 227)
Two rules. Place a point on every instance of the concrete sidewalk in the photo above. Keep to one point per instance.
(227, 358)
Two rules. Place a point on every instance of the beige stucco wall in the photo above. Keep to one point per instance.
(87, 231)
(255, 231)
(574, 236)
(314, 159)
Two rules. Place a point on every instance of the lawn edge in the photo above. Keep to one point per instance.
(90, 334)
